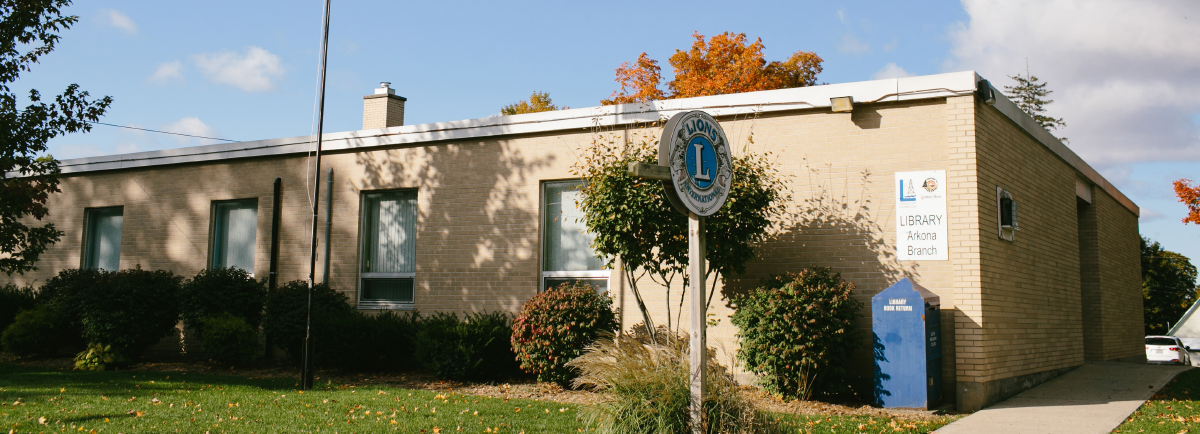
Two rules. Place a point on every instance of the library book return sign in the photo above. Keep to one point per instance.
(696, 171)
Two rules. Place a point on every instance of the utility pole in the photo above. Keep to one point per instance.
(306, 372)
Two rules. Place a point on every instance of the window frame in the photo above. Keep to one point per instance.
(1006, 233)
(365, 246)
(543, 274)
(85, 258)
(217, 223)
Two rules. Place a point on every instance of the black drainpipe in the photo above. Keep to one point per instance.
(273, 276)
(328, 221)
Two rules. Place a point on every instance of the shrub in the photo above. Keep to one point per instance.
(13, 300)
(41, 331)
(798, 329)
(386, 341)
(230, 340)
(474, 349)
(66, 289)
(129, 309)
(554, 327)
(99, 358)
(218, 291)
(333, 321)
(646, 384)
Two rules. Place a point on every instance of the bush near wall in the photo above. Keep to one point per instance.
(214, 292)
(332, 317)
(13, 300)
(230, 340)
(555, 326)
(474, 348)
(130, 309)
(798, 331)
(41, 331)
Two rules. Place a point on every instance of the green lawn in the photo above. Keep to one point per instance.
(1174, 409)
(50, 400)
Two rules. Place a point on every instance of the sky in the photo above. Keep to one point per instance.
(1123, 72)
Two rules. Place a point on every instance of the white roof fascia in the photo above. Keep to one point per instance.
(1183, 322)
(1023, 120)
(887, 90)
(933, 86)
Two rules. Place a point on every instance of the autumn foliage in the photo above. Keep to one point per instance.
(724, 64)
(538, 102)
(1190, 196)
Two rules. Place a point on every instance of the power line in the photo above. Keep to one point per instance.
(163, 132)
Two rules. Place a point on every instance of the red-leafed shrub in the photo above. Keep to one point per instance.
(554, 327)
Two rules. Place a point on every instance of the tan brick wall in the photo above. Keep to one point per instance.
(1008, 308)
(1030, 288)
(382, 112)
(1121, 311)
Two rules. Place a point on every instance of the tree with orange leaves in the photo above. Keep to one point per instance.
(1190, 196)
(724, 64)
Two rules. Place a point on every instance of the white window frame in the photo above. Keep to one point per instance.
(1006, 233)
(605, 274)
(89, 240)
(363, 255)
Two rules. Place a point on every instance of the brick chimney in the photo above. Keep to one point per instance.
(383, 108)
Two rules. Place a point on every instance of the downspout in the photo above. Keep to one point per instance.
(328, 221)
(273, 275)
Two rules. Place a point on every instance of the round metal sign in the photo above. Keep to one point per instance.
(694, 147)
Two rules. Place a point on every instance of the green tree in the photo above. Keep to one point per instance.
(1030, 94)
(538, 102)
(634, 222)
(28, 30)
(1168, 286)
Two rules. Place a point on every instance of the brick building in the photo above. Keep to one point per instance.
(473, 215)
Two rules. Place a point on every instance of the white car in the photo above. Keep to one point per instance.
(1166, 349)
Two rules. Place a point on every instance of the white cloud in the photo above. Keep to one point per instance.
(119, 20)
(192, 126)
(891, 70)
(167, 71)
(68, 151)
(853, 46)
(127, 148)
(253, 71)
(1149, 215)
(1122, 71)
(842, 15)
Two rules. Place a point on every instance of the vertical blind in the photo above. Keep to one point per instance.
(391, 232)
(104, 238)
(568, 244)
(236, 227)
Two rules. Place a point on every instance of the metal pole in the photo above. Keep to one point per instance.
(328, 221)
(306, 373)
(699, 348)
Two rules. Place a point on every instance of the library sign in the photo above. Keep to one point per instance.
(921, 216)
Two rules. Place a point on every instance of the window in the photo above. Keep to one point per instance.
(235, 225)
(102, 238)
(1006, 215)
(389, 250)
(567, 254)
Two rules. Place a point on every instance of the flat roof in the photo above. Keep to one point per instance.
(887, 90)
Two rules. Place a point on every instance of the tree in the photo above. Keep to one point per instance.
(538, 102)
(1190, 196)
(1029, 95)
(725, 64)
(1168, 286)
(634, 222)
(28, 30)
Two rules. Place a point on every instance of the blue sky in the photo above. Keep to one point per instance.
(248, 70)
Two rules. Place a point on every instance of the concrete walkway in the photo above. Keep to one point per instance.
(1095, 398)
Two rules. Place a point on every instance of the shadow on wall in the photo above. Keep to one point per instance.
(477, 228)
(835, 224)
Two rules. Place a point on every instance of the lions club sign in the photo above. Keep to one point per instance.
(696, 150)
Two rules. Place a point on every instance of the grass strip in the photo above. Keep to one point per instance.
(43, 400)
(1173, 410)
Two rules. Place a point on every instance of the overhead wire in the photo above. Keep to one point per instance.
(162, 132)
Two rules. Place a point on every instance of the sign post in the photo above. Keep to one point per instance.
(696, 171)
